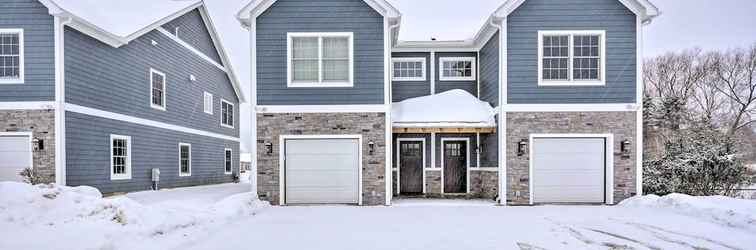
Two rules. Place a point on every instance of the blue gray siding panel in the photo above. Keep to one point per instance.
(442, 86)
(402, 90)
(192, 30)
(320, 16)
(117, 80)
(88, 155)
(39, 50)
(534, 15)
(489, 71)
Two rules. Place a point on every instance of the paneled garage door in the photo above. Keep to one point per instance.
(568, 170)
(321, 171)
(15, 155)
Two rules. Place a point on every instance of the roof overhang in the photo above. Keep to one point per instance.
(643, 8)
(257, 7)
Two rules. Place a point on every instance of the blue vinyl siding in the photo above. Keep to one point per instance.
(402, 90)
(489, 71)
(534, 15)
(88, 155)
(320, 16)
(117, 80)
(192, 30)
(442, 86)
(39, 50)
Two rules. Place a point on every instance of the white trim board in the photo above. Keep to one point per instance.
(191, 49)
(608, 165)
(619, 107)
(379, 108)
(145, 122)
(467, 159)
(26, 105)
(399, 161)
(282, 161)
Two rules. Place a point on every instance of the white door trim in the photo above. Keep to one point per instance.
(282, 164)
(608, 165)
(467, 159)
(399, 161)
(30, 135)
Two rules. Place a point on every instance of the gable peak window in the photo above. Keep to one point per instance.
(320, 59)
(408, 69)
(227, 114)
(157, 89)
(11, 56)
(457, 68)
(571, 58)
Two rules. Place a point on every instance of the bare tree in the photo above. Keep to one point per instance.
(674, 75)
(735, 71)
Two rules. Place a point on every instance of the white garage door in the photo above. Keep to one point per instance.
(322, 171)
(15, 155)
(568, 170)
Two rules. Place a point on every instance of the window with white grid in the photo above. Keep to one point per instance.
(11, 55)
(408, 69)
(227, 114)
(185, 159)
(227, 162)
(571, 58)
(457, 68)
(157, 89)
(120, 157)
(320, 59)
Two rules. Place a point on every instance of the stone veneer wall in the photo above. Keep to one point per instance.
(42, 125)
(372, 127)
(520, 125)
(483, 184)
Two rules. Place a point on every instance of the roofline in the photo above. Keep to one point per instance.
(245, 15)
(221, 50)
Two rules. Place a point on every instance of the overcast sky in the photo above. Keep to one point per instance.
(684, 24)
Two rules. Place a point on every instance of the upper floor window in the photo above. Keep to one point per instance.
(11, 56)
(208, 101)
(120, 157)
(408, 69)
(320, 59)
(227, 114)
(157, 89)
(185, 159)
(571, 58)
(457, 68)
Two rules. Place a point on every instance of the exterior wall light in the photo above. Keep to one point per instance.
(522, 147)
(268, 148)
(38, 144)
(371, 147)
(625, 146)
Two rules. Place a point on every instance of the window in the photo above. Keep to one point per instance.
(185, 159)
(120, 157)
(11, 56)
(320, 59)
(457, 68)
(208, 107)
(408, 69)
(228, 161)
(571, 58)
(157, 89)
(227, 114)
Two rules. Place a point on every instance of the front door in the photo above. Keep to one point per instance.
(411, 167)
(455, 167)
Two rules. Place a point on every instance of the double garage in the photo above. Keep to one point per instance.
(15, 155)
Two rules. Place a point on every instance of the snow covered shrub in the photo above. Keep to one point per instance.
(695, 161)
(31, 176)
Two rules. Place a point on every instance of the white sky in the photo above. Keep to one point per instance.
(684, 24)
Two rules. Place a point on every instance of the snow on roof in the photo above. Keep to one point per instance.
(453, 108)
(124, 18)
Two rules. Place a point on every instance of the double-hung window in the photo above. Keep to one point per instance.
(227, 114)
(320, 59)
(457, 68)
(571, 58)
(227, 161)
(185, 159)
(11, 56)
(157, 89)
(120, 157)
(408, 69)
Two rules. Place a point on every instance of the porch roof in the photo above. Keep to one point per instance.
(453, 110)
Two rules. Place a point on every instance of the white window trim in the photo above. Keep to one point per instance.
(232, 113)
(409, 59)
(206, 109)
(127, 175)
(571, 34)
(190, 160)
(224, 160)
(473, 66)
(165, 83)
(21, 73)
(320, 83)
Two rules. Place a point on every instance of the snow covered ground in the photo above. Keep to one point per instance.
(201, 218)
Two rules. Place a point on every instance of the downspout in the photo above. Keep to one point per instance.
(60, 110)
(389, 125)
(501, 126)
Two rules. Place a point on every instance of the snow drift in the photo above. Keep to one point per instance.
(726, 211)
(452, 108)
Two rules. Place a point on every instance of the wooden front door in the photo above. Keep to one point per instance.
(411, 167)
(455, 167)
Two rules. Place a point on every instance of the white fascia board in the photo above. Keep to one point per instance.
(619, 107)
(273, 109)
(255, 8)
(27, 105)
(443, 125)
(643, 8)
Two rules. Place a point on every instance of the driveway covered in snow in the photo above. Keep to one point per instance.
(201, 218)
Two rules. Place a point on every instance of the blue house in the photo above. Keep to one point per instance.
(101, 93)
(542, 105)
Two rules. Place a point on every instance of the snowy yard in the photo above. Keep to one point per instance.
(224, 217)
